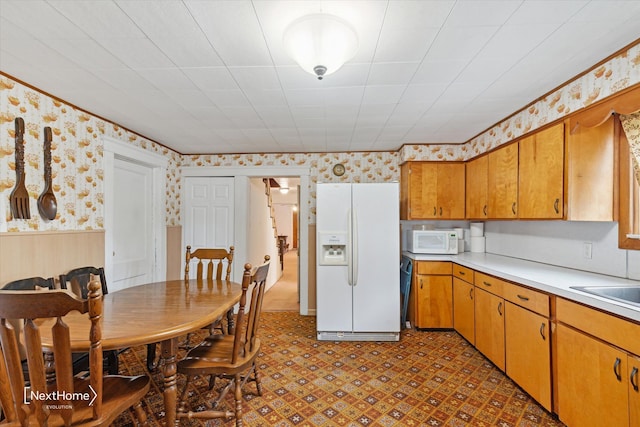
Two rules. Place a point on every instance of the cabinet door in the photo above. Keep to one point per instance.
(463, 309)
(422, 191)
(540, 174)
(503, 182)
(591, 171)
(434, 302)
(633, 375)
(592, 385)
(476, 187)
(489, 313)
(451, 191)
(528, 352)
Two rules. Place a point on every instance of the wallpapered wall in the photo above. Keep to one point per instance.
(78, 159)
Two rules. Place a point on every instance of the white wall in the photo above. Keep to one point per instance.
(260, 237)
(284, 221)
(560, 243)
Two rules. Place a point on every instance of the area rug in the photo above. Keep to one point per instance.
(428, 378)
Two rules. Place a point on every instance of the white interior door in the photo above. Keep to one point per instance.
(133, 239)
(208, 213)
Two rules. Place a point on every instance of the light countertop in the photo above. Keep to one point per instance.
(544, 277)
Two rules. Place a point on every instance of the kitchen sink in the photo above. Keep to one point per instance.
(628, 294)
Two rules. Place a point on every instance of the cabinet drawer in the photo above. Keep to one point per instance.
(463, 273)
(489, 283)
(528, 298)
(619, 332)
(434, 267)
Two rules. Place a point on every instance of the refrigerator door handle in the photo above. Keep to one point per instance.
(354, 244)
(349, 248)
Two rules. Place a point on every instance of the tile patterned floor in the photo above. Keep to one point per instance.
(426, 379)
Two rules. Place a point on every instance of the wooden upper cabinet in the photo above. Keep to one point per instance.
(503, 182)
(451, 191)
(476, 193)
(591, 170)
(432, 190)
(540, 174)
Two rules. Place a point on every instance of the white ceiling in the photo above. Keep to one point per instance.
(208, 76)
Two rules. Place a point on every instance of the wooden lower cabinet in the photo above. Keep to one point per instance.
(434, 302)
(489, 326)
(591, 380)
(463, 310)
(433, 293)
(528, 352)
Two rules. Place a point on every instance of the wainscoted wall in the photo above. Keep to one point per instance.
(48, 254)
(311, 296)
(175, 253)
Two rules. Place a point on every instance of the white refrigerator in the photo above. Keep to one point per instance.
(357, 262)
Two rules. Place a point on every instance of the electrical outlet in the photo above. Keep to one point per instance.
(587, 248)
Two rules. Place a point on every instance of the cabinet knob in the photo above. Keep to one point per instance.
(500, 308)
(513, 208)
(435, 210)
(634, 378)
(471, 293)
(556, 206)
(542, 331)
(484, 210)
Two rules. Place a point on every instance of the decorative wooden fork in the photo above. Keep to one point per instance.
(19, 197)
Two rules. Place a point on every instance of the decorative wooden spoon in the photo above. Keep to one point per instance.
(47, 204)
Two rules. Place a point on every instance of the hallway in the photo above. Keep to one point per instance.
(283, 295)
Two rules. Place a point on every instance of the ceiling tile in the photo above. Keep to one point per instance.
(171, 27)
(166, 78)
(39, 19)
(392, 73)
(383, 94)
(237, 45)
(137, 53)
(211, 78)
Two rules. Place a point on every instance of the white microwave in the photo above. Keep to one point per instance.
(432, 241)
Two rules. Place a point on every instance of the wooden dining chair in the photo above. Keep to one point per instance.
(30, 284)
(211, 264)
(77, 281)
(229, 356)
(67, 399)
(211, 258)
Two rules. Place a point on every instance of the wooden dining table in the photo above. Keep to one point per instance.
(157, 312)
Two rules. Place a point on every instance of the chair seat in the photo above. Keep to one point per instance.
(113, 404)
(202, 359)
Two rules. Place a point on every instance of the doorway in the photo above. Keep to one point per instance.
(242, 177)
(134, 205)
(284, 294)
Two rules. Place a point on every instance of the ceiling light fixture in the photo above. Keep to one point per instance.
(320, 43)
(284, 190)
